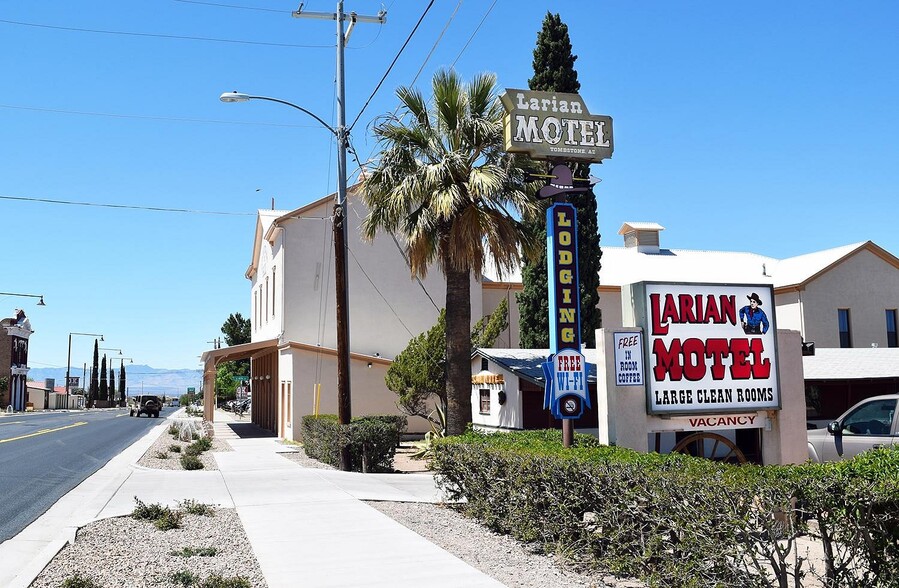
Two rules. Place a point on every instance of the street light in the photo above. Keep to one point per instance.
(110, 349)
(39, 303)
(69, 360)
(122, 359)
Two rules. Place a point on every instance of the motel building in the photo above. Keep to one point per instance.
(841, 302)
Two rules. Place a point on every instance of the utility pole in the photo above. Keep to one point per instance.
(344, 405)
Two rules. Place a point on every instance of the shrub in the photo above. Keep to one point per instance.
(147, 512)
(175, 448)
(185, 578)
(371, 440)
(170, 519)
(193, 507)
(174, 430)
(191, 462)
(79, 581)
(192, 551)
(199, 446)
(676, 520)
(217, 581)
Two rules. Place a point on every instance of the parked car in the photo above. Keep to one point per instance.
(870, 424)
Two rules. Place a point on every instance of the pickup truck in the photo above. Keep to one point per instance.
(145, 404)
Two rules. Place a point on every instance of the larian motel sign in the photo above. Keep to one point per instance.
(557, 127)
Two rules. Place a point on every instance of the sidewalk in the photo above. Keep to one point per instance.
(305, 525)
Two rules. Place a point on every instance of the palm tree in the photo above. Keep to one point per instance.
(444, 184)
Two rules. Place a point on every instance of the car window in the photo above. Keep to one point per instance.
(872, 418)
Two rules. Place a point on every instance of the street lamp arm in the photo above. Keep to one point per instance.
(239, 97)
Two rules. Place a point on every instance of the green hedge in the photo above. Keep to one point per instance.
(372, 440)
(675, 520)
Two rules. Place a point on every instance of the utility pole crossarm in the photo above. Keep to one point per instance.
(379, 18)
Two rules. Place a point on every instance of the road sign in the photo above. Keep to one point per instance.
(240, 378)
(191, 390)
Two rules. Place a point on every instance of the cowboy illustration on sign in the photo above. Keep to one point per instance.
(752, 318)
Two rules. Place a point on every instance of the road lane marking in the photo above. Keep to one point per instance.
(43, 432)
(13, 423)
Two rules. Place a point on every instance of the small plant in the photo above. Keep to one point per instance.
(195, 436)
(79, 581)
(191, 462)
(199, 446)
(198, 551)
(174, 430)
(425, 447)
(161, 455)
(147, 512)
(217, 581)
(185, 578)
(191, 506)
(175, 448)
(170, 519)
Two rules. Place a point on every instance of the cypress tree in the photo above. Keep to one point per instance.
(94, 391)
(554, 72)
(122, 390)
(104, 385)
(112, 396)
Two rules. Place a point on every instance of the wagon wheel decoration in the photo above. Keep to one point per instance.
(722, 448)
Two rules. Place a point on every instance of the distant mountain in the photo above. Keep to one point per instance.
(140, 379)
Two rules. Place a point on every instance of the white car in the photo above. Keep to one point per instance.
(870, 424)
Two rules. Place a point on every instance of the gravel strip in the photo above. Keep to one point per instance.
(123, 552)
(153, 458)
(499, 556)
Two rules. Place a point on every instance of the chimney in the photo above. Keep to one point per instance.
(644, 237)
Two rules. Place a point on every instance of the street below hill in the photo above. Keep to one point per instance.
(44, 455)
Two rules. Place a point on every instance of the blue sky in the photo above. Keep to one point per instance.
(766, 126)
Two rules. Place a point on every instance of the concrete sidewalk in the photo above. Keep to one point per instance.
(306, 526)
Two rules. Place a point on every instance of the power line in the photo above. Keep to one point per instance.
(386, 73)
(160, 118)
(124, 206)
(478, 28)
(234, 6)
(162, 36)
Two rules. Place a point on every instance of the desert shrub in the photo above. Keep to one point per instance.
(191, 462)
(217, 581)
(193, 507)
(147, 512)
(185, 578)
(161, 455)
(195, 551)
(175, 448)
(79, 581)
(170, 519)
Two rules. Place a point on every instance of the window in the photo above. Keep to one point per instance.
(845, 335)
(485, 401)
(256, 307)
(485, 364)
(266, 299)
(892, 339)
(274, 289)
(873, 418)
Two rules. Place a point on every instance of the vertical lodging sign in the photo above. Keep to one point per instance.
(566, 393)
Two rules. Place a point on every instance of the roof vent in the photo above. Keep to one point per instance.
(644, 237)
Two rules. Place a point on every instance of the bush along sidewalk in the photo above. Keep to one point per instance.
(372, 440)
(679, 521)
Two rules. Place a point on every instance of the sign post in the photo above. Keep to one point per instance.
(557, 127)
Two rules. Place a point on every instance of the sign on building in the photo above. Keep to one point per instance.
(710, 348)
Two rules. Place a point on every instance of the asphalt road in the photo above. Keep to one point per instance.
(44, 455)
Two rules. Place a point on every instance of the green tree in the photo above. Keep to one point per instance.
(123, 390)
(236, 330)
(444, 183)
(94, 392)
(418, 373)
(104, 384)
(554, 72)
(112, 396)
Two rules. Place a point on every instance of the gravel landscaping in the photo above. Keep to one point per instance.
(123, 552)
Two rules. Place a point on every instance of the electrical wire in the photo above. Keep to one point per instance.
(384, 77)
(162, 36)
(234, 6)
(478, 28)
(124, 206)
(370, 281)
